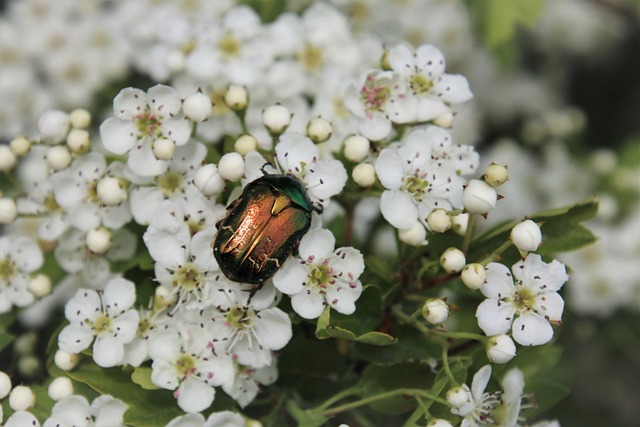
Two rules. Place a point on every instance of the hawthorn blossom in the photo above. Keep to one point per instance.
(247, 381)
(140, 119)
(297, 155)
(75, 410)
(216, 419)
(184, 361)
(19, 257)
(529, 306)
(108, 317)
(321, 276)
(424, 172)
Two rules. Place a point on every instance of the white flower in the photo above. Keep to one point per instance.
(297, 155)
(321, 276)
(140, 119)
(75, 411)
(247, 381)
(21, 419)
(528, 306)
(423, 173)
(216, 419)
(19, 257)
(184, 361)
(108, 317)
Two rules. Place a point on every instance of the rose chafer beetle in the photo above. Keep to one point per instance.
(262, 228)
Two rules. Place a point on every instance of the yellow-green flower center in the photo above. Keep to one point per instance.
(524, 299)
(148, 124)
(240, 317)
(229, 46)
(415, 186)
(311, 58)
(374, 97)
(420, 84)
(7, 269)
(185, 365)
(50, 205)
(170, 183)
(320, 276)
(102, 324)
(188, 277)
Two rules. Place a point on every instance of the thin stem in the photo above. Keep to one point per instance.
(458, 335)
(467, 235)
(445, 363)
(339, 396)
(495, 255)
(382, 396)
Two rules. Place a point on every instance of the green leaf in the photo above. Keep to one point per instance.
(358, 326)
(546, 394)
(142, 376)
(308, 418)
(5, 339)
(534, 361)
(268, 10)
(411, 346)
(147, 408)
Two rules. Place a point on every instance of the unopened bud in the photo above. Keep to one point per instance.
(231, 166)
(460, 223)
(414, 236)
(439, 220)
(21, 398)
(356, 148)
(473, 275)
(439, 422)
(40, 285)
(245, 144)
(526, 236)
(164, 297)
(364, 175)
(5, 385)
(496, 175)
(453, 260)
(197, 107)
(479, 197)
(53, 126)
(319, 130)
(276, 119)
(163, 148)
(237, 98)
(7, 159)
(20, 145)
(80, 118)
(58, 157)
(458, 396)
(208, 180)
(8, 210)
(79, 141)
(65, 361)
(444, 120)
(99, 240)
(60, 388)
(435, 311)
(500, 349)
(111, 191)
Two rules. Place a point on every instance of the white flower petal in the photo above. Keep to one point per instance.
(126, 326)
(118, 136)
(316, 245)
(398, 209)
(26, 254)
(428, 108)
(143, 161)
(144, 201)
(74, 339)
(84, 305)
(129, 102)
(495, 317)
(499, 283)
(296, 152)
(389, 169)
(347, 263)
(401, 60)
(342, 296)
(107, 351)
(177, 130)
(453, 88)
(430, 61)
(307, 304)
(291, 277)
(531, 329)
(550, 305)
(85, 216)
(119, 295)
(273, 328)
(194, 395)
(202, 250)
(376, 128)
(326, 179)
(163, 100)
(480, 381)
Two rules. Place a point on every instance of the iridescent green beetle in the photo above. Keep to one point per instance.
(261, 228)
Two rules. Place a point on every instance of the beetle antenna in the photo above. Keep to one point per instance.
(264, 171)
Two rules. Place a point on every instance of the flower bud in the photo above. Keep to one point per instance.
(414, 236)
(453, 260)
(500, 349)
(479, 197)
(197, 107)
(40, 285)
(175, 60)
(163, 148)
(319, 130)
(444, 120)
(7, 159)
(60, 388)
(496, 175)
(208, 180)
(21, 398)
(111, 191)
(364, 175)
(473, 276)
(245, 144)
(458, 396)
(29, 365)
(58, 157)
(26, 343)
(435, 311)
(460, 223)
(53, 126)
(276, 119)
(526, 236)
(439, 220)
(231, 166)
(164, 297)
(79, 141)
(65, 361)
(439, 422)
(99, 240)
(5, 385)
(8, 210)
(356, 148)
(237, 98)
(20, 145)
(80, 118)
